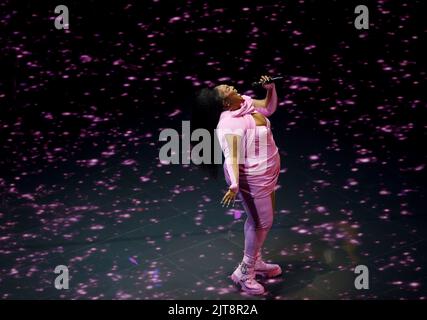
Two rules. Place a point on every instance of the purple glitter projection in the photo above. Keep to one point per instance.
(81, 183)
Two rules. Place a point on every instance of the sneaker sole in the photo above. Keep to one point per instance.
(244, 288)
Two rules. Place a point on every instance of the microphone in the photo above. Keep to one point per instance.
(259, 83)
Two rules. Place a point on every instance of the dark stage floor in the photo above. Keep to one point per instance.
(165, 236)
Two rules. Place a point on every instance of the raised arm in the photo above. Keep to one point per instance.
(268, 105)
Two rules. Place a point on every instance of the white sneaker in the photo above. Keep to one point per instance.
(268, 270)
(245, 276)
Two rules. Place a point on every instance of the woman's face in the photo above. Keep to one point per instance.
(230, 98)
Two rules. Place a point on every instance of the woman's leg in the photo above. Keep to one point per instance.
(273, 209)
(257, 225)
(258, 222)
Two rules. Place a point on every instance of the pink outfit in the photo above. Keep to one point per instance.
(259, 168)
(259, 157)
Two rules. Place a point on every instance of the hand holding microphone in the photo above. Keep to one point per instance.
(266, 81)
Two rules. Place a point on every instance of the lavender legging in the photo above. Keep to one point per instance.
(259, 212)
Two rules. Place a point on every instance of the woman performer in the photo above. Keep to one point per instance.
(251, 170)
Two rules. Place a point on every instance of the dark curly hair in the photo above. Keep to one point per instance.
(205, 114)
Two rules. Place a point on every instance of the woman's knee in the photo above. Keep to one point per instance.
(266, 214)
(266, 223)
(259, 224)
(259, 213)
